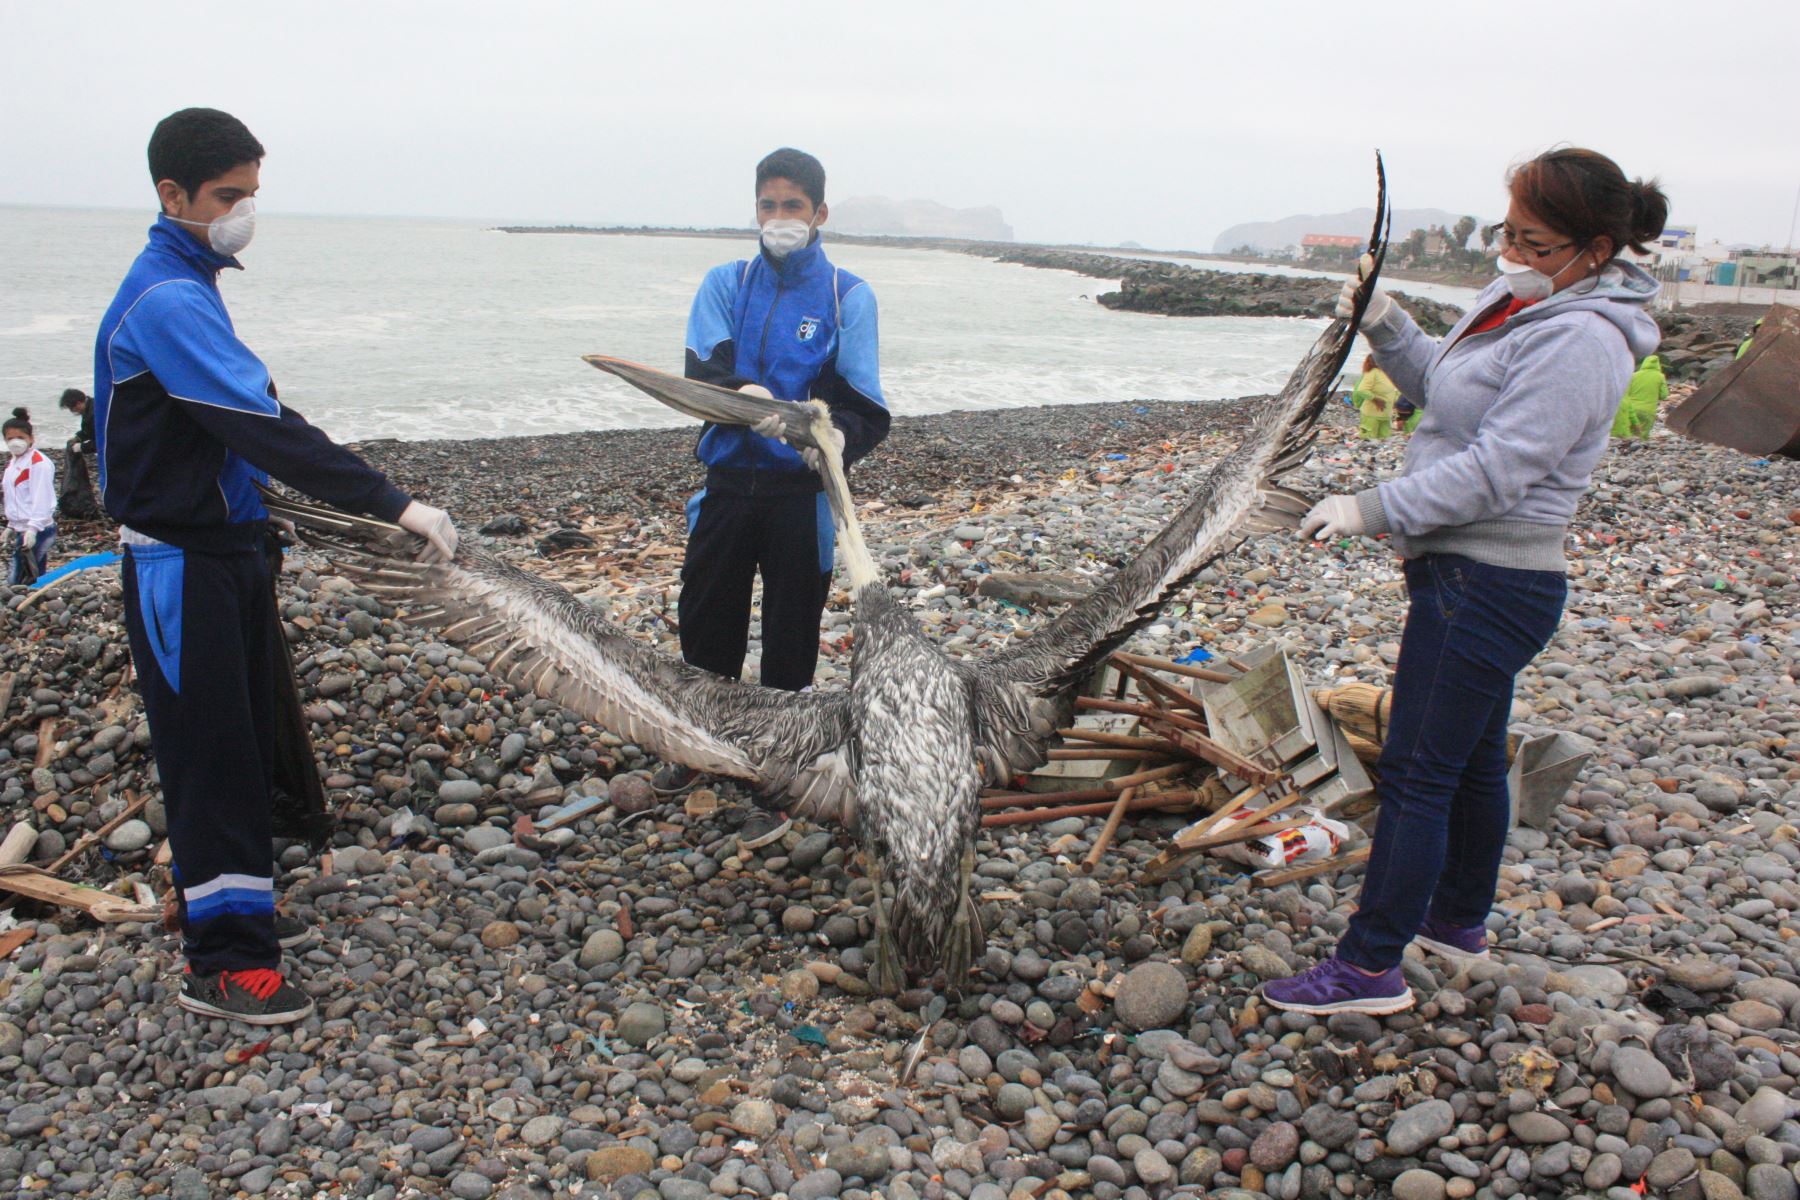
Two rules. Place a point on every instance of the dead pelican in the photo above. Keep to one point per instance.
(900, 756)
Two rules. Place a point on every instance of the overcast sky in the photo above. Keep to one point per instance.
(1104, 122)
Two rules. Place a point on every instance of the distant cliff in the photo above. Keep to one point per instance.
(878, 215)
(1273, 236)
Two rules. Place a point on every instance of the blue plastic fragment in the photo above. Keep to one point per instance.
(1116, 457)
(1198, 654)
(810, 1034)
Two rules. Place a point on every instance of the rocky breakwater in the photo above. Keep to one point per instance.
(1698, 341)
(1176, 290)
(644, 1006)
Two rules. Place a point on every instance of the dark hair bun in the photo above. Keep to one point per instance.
(23, 414)
(1650, 211)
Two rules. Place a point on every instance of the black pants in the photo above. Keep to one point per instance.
(202, 635)
(731, 537)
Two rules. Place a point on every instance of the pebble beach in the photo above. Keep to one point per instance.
(638, 1006)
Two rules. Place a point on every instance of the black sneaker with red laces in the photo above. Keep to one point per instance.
(255, 997)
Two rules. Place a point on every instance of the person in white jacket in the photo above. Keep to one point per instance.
(30, 500)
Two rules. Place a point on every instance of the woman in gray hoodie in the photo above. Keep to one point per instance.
(1518, 400)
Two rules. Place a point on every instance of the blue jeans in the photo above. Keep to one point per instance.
(31, 557)
(1444, 813)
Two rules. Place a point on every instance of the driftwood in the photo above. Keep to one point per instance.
(1035, 816)
(1276, 876)
(35, 884)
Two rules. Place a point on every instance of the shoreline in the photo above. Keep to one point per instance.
(1153, 286)
(616, 1003)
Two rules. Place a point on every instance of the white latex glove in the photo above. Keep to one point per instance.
(1379, 303)
(769, 426)
(432, 524)
(1333, 517)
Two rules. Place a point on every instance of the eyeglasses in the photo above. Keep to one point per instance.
(1510, 240)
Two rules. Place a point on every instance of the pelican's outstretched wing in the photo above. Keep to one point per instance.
(709, 401)
(539, 637)
(1025, 693)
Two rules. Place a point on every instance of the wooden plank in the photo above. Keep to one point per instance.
(1276, 876)
(1124, 741)
(1109, 830)
(12, 939)
(1080, 754)
(1163, 694)
(1033, 816)
(1202, 746)
(1212, 820)
(1221, 823)
(34, 884)
(6, 690)
(1175, 668)
(1104, 792)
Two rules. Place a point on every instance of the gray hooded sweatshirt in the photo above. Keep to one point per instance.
(1515, 419)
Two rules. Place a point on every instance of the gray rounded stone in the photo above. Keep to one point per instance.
(1153, 995)
(1418, 1184)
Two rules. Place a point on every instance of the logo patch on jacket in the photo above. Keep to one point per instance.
(809, 326)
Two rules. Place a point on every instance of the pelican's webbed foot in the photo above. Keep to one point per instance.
(885, 974)
(966, 940)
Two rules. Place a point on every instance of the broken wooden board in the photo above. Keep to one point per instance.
(35, 884)
(1276, 876)
(12, 939)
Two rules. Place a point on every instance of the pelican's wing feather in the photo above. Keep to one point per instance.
(709, 401)
(1027, 692)
(540, 638)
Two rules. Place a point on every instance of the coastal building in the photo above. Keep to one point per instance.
(1766, 268)
(1330, 246)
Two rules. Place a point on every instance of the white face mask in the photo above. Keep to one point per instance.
(1527, 283)
(18, 446)
(784, 235)
(230, 233)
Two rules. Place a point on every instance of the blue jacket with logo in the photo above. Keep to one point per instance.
(806, 331)
(186, 418)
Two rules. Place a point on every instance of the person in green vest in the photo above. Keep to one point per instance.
(1643, 396)
(1744, 348)
(1374, 397)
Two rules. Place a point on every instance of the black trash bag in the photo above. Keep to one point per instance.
(75, 499)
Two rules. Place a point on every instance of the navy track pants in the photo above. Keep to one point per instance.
(732, 537)
(202, 630)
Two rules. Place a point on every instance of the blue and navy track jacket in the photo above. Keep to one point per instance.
(806, 331)
(187, 419)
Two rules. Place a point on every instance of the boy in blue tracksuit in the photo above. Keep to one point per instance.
(788, 324)
(187, 424)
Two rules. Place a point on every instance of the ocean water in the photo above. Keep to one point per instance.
(393, 327)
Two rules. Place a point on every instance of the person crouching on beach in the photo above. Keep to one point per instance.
(30, 500)
(1520, 398)
(787, 324)
(188, 425)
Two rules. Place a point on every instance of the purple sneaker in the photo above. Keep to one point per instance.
(1334, 986)
(1453, 941)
